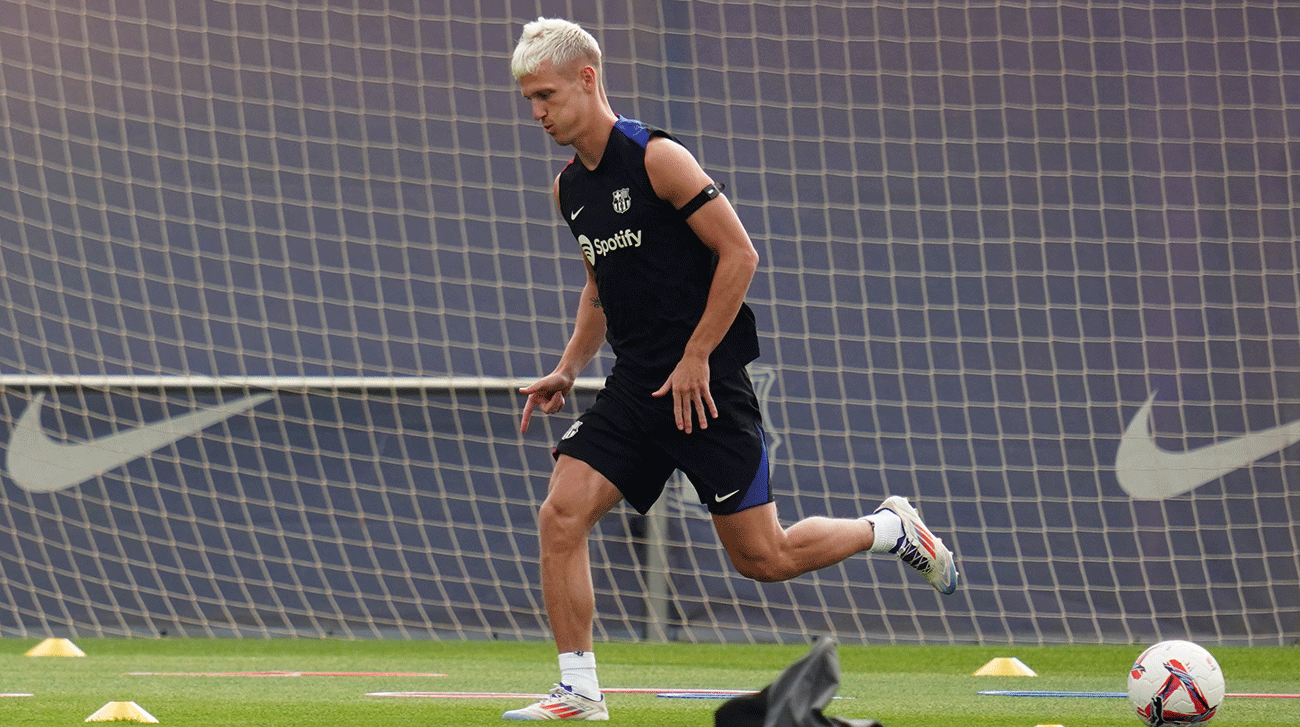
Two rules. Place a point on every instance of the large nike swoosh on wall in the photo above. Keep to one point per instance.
(37, 463)
(1147, 472)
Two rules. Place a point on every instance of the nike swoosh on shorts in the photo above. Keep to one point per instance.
(1147, 472)
(37, 463)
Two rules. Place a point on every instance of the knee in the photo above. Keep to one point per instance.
(560, 523)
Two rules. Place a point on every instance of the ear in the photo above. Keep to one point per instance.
(588, 76)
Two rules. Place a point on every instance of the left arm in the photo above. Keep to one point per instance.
(677, 178)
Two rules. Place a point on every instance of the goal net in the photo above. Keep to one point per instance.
(273, 272)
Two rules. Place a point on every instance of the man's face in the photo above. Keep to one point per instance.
(559, 98)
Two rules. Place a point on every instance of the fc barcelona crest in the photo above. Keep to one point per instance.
(622, 200)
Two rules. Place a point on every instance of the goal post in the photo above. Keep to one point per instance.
(273, 273)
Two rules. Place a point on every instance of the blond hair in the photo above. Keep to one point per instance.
(555, 39)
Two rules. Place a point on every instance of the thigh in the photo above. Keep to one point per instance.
(577, 491)
(753, 535)
(727, 462)
(610, 438)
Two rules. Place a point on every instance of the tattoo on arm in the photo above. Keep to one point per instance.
(595, 303)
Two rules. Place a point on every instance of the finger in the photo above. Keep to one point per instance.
(682, 410)
(699, 410)
(664, 389)
(713, 408)
(554, 403)
(528, 414)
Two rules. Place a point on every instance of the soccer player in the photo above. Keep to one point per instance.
(668, 265)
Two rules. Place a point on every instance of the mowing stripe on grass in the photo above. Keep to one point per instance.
(280, 674)
(716, 695)
(700, 695)
(673, 690)
(1033, 693)
(1015, 693)
(458, 695)
(660, 692)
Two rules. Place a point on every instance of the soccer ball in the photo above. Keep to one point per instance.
(1175, 682)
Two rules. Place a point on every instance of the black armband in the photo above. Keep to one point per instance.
(698, 200)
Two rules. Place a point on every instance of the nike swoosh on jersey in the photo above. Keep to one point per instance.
(576, 212)
(1147, 472)
(720, 498)
(37, 463)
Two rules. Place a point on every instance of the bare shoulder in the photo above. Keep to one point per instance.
(673, 170)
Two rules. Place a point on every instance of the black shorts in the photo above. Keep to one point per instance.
(632, 439)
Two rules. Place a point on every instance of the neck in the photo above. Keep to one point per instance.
(590, 146)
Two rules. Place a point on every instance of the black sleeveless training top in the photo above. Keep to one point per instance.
(652, 271)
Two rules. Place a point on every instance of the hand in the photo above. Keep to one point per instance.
(689, 384)
(546, 394)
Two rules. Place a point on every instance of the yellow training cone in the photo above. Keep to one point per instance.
(55, 647)
(1005, 667)
(121, 712)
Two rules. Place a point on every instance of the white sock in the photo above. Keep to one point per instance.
(578, 672)
(889, 528)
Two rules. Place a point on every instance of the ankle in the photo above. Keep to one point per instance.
(888, 529)
(578, 672)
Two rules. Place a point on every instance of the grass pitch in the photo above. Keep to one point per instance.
(902, 686)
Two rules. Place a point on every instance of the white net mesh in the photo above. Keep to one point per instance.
(990, 232)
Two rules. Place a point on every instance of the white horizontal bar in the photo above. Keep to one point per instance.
(368, 383)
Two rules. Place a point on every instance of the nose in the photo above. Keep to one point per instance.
(539, 111)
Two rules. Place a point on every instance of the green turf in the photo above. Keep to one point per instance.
(900, 686)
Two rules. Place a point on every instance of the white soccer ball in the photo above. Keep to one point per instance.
(1175, 682)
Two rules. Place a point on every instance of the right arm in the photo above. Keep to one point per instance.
(588, 332)
(547, 393)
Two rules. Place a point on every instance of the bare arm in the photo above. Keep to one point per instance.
(677, 178)
(547, 393)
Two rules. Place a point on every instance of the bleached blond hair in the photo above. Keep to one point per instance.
(559, 40)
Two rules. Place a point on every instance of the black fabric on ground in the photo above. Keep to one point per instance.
(796, 698)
